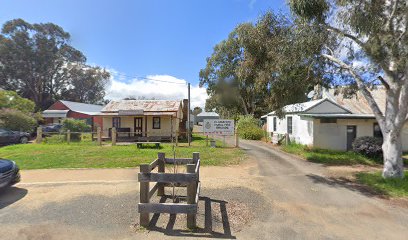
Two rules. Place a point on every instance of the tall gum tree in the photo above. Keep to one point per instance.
(374, 33)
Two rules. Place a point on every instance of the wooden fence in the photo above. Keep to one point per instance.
(190, 180)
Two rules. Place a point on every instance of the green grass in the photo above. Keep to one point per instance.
(87, 154)
(328, 157)
(390, 187)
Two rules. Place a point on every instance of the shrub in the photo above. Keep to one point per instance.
(248, 128)
(16, 120)
(76, 126)
(368, 146)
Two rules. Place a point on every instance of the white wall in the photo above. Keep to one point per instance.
(302, 129)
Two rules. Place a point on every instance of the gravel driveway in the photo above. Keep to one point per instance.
(270, 196)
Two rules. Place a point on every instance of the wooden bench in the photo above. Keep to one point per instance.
(140, 144)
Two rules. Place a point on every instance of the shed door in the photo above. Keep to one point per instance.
(138, 126)
(351, 135)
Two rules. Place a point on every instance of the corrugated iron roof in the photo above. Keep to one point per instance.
(84, 108)
(145, 105)
(358, 104)
(208, 114)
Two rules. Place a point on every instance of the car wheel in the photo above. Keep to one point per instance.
(24, 140)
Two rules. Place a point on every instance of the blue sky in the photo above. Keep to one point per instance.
(155, 38)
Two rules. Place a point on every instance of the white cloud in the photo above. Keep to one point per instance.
(166, 87)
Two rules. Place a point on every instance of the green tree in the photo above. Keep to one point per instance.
(38, 62)
(197, 110)
(368, 41)
(10, 99)
(16, 120)
(261, 67)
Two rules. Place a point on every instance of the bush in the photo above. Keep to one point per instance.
(368, 146)
(76, 126)
(16, 120)
(248, 128)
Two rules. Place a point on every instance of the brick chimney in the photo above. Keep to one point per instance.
(183, 124)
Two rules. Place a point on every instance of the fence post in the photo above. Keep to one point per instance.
(236, 138)
(113, 136)
(161, 169)
(206, 140)
(287, 138)
(191, 192)
(68, 136)
(39, 135)
(176, 138)
(99, 135)
(144, 196)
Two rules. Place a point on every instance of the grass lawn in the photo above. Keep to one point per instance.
(87, 154)
(329, 157)
(390, 187)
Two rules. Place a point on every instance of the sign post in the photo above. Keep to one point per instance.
(220, 127)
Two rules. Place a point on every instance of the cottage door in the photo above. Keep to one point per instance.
(351, 135)
(138, 126)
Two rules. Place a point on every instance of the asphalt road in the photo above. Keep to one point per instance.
(271, 196)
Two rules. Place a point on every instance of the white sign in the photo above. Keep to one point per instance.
(131, 112)
(222, 127)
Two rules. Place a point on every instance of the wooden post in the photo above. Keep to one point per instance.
(287, 139)
(161, 169)
(68, 136)
(191, 193)
(99, 135)
(176, 138)
(113, 136)
(144, 196)
(236, 138)
(39, 135)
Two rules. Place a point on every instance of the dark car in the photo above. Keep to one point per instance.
(9, 173)
(11, 137)
(51, 128)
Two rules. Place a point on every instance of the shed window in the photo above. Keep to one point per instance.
(274, 124)
(289, 123)
(116, 122)
(377, 131)
(156, 122)
(328, 120)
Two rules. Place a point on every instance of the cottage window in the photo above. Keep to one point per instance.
(116, 122)
(289, 123)
(328, 120)
(156, 122)
(274, 124)
(377, 131)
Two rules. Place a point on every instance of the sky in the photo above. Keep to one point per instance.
(135, 39)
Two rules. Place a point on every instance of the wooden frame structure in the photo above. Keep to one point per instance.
(190, 180)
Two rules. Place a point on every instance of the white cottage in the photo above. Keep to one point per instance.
(332, 122)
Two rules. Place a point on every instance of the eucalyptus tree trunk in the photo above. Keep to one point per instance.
(392, 126)
(392, 151)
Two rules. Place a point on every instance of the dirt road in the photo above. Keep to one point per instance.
(270, 196)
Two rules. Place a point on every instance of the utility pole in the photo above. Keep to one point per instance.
(188, 117)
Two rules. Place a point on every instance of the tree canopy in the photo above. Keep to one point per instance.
(261, 67)
(38, 62)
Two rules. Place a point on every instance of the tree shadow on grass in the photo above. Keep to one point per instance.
(10, 195)
(200, 232)
(348, 184)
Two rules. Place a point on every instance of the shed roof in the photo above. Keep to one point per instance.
(208, 114)
(84, 108)
(145, 105)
